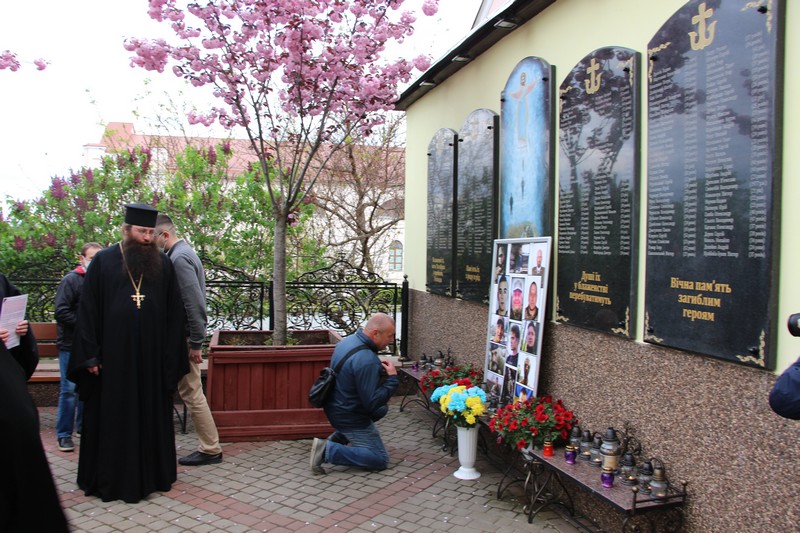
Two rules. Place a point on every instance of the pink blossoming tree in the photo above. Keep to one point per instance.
(298, 76)
(9, 60)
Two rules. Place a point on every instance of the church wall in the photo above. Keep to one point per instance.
(708, 419)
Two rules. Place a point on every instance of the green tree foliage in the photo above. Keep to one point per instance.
(42, 237)
(229, 223)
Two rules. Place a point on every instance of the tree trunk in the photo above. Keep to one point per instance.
(279, 282)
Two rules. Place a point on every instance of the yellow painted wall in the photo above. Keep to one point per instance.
(562, 35)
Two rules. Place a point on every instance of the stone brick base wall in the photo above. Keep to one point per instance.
(708, 420)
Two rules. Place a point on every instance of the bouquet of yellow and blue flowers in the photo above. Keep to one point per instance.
(461, 402)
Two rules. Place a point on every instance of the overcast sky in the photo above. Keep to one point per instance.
(47, 116)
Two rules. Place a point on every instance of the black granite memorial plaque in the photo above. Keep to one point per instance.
(441, 195)
(598, 192)
(713, 179)
(476, 221)
(526, 194)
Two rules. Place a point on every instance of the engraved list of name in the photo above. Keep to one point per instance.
(711, 143)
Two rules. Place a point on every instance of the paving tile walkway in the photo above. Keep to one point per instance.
(268, 486)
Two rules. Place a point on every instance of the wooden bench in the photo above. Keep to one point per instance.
(46, 335)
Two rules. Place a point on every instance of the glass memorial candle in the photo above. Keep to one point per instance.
(547, 448)
(596, 458)
(607, 477)
(570, 454)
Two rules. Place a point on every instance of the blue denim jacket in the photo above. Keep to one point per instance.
(360, 394)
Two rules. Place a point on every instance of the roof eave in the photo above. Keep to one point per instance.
(473, 45)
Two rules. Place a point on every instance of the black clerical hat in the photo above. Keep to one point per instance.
(140, 215)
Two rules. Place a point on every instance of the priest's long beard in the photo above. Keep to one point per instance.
(142, 259)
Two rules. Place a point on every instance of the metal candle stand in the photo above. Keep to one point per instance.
(640, 492)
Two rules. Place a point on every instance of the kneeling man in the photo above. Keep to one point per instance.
(359, 399)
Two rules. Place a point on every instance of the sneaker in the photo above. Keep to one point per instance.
(317, 456)
(65, 444)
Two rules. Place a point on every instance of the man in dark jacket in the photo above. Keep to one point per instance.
(785, 395)
(358, 400)
(68, 296)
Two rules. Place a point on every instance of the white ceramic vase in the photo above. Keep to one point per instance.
(467, 453)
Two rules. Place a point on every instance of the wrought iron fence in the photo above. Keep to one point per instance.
(338, 297)
(41, 298)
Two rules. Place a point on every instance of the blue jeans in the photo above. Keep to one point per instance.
(366, 449)
(68, 402)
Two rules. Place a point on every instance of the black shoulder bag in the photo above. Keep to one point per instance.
(323, 386)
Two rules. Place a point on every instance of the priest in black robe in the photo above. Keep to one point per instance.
(28, 497)
(128, 355)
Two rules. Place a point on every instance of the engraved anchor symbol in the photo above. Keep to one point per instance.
(593, 82)
(703, 37)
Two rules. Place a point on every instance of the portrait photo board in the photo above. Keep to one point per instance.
(517, 301)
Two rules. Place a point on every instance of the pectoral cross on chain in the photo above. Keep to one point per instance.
(138, 299)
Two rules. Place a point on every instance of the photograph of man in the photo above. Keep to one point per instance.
(513, 346)
(532, 308)
(538, 269)
(509, 380)
(524, 372)
(494, 389)
(500, 331)
(523, 259)
(497, 358)
(515, 259)
(530, 338)
(523, 394)
(516, 298)
(502, 296)
(500, 264)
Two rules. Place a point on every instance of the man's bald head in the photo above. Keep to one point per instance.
(380, 328)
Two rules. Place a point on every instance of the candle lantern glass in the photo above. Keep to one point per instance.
(575, 438)
(645, 477)
(610, 450)
(628, 471)
(570, 454)
(596, 458)
(547, 448)
(586, 444)
(607, 477)
(658, 484)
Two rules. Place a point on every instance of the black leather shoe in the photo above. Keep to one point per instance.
(200, 458)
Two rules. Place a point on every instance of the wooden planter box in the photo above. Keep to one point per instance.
(260, 392)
